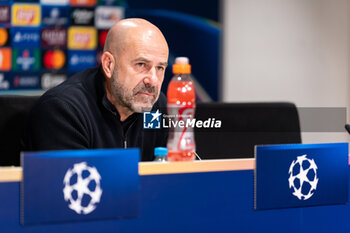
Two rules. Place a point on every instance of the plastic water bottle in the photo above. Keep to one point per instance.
(160, 154)
(181, 107)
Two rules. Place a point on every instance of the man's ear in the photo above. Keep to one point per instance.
(108, 63)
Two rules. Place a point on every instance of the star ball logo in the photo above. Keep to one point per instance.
(151, 120)
(82, 188)
(303, 178)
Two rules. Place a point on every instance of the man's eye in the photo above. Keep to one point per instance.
(140, 64)
(160, 68)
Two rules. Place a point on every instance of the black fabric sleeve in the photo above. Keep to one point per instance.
(55, 124)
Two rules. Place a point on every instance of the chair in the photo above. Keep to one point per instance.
(245, 125)
(14, 110)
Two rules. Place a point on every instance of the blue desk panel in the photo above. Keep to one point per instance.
(193, 202)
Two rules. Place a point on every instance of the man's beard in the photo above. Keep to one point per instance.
(127, 98)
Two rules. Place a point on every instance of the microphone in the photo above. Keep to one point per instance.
(197, 155)
(347, 127)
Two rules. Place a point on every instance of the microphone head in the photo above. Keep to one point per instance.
(347, 127)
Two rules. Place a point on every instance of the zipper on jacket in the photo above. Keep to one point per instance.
(125, 135)
(125, 143)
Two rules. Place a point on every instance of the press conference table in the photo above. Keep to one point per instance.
(199, 196)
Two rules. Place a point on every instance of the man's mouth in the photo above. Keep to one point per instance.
(145, 94)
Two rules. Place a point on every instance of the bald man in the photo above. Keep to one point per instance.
(102, 107)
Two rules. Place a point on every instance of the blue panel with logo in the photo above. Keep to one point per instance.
(301, 175)
(25, 37)
(25, 80)
(79, 60)
(79, 185)
(55, 15)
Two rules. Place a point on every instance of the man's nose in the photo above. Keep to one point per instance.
(151, 77)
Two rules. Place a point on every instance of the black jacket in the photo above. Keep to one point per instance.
(78, 115)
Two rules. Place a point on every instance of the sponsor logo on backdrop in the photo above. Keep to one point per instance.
(4, 37)
(25, 37)
(4, 84)
(80, 181)
(26, 15)
(26, 1)
(82, 2)
(54, 59)
(49, 80)
(98, 56)
(5, 59)
(51, 37)
(106, 16)
(26, 81)
(26, 59)
(79, 60)
(303, 178)
(82, 16)
(102, 35)
(82, 38)
(55, 2)
(55, 16)
(4, 14)
(108, 2)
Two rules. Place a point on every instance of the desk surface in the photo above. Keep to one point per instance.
(14, 174)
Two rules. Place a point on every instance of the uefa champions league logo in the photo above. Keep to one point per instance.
(82, 188)
(303, 177)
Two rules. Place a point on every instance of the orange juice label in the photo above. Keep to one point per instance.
(181, 93)
(26, 15)
(84, 38)
(181, 123)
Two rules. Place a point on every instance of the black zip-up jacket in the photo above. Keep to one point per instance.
(77, 115)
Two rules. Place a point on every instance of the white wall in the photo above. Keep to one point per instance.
(288, 50)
